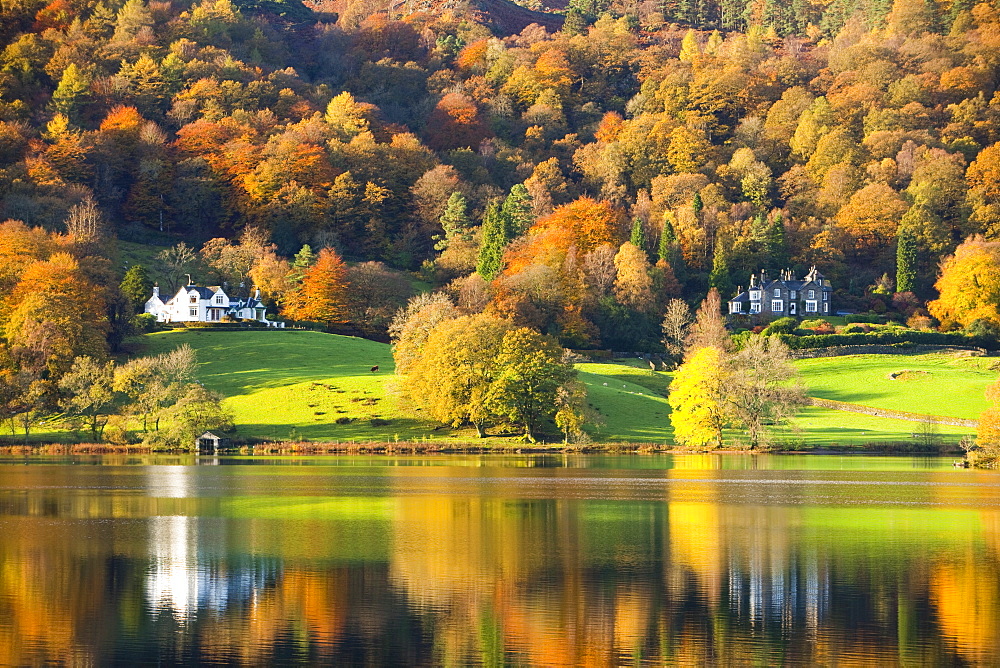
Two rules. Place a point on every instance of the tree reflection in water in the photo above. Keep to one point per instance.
(558, 566)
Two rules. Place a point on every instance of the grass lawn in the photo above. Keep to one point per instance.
(279, 381)
(630, 401)
(941, 383)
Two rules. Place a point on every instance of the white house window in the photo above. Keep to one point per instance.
(826, 308)
(791, 294)
(777, 305)
(777, 292)
(194, 300)
(755, 307)
(811, 307)
(826, 296)
(194, 312)
(812, 294)
(755, 294)
(218, 299)
(735, 307)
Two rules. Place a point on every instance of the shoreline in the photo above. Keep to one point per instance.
(335, 449)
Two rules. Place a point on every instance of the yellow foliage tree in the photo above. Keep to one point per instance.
(988, 431)
(697, 399)
(969, 286)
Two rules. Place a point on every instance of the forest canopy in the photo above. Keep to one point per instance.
(572, 180)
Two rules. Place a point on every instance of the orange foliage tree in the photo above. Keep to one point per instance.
(455, 123)
(583, 224)
(56, 314)
(322, 295)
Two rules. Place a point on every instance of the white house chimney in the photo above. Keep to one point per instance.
(156, 291)
(256, 294)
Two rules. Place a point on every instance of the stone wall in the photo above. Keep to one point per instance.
(895, 415)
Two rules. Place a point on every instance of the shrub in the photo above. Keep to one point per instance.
(885, 338)
(781, 326)
(817, 327)
(144, 323)
(986, 329)
(855, 328)
(869, 318)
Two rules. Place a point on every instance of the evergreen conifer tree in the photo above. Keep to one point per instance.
(638, 235)
(454, 221)
(518, 211)
(906, 261)
(136, 285)
(720, 278)
(776, 246)
(494, 234)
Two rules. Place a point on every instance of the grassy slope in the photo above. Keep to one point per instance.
(280, 381)
(950, 385)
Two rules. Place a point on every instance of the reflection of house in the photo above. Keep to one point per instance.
(784, 296)
(194, 303)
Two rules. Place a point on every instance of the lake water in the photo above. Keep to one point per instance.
(546, 560)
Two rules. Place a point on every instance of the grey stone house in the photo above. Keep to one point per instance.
(784, 296)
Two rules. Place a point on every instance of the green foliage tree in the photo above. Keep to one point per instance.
(494, 241)
(637, 237)
(720, 279)
(136, 286)
(906, 261)
(530, 371)
(89, 394)
(518, 211)
(454, 221)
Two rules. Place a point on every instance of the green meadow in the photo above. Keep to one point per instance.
(298, 384)
(932, 384)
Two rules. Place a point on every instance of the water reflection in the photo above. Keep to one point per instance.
(541, 565)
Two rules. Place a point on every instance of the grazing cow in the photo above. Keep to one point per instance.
(375, 368)
(652, 365)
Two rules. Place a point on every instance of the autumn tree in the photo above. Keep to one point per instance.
(988, 429)
(454, 374)
(760, 390)
(697, 398)
(530, 373)
(376, 294)
(708, 329)
(411, 326)
(322, 296)
(983, 177)
(873, 214)
(56, 314)
(633, 283)
(676, 321)
(969, 286)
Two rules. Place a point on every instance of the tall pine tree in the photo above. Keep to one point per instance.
(906, 261)
(494, 235)
(518, 211)
(454, 221)
(638, 235)
(720, 278)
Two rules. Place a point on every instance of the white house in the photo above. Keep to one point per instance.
(194, 303)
